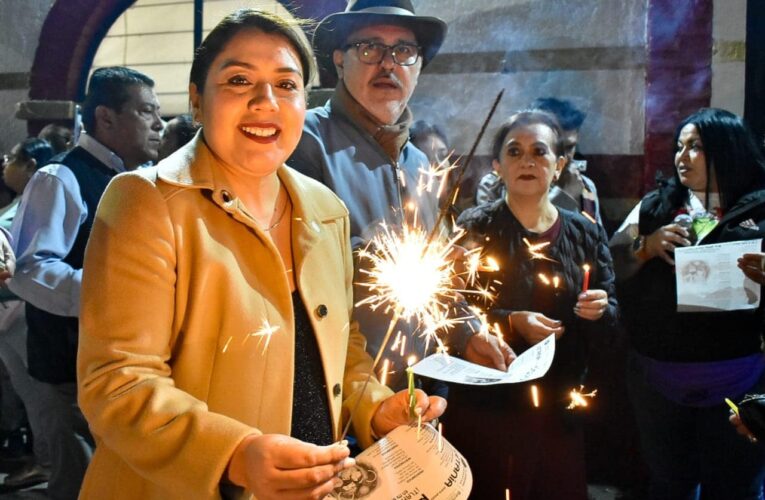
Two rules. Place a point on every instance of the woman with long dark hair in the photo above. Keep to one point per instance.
(683, 364)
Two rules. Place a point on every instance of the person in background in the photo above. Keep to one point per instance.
(178, 132)
(217, 354)
(24, 160)
(431, 140)
(573, 190)
(60, 137)
(50, 232)
(536, 451)
(358, 145)
(683, 364)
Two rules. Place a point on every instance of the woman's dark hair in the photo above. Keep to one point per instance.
(566, 113)
(242, 19)
(527, 117)
(35, 149)
(732, 154)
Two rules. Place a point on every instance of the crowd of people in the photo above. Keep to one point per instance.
(144, 263)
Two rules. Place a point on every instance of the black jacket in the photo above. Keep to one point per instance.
(579, 242)
(649, 298)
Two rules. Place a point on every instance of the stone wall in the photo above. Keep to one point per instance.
(20, 24)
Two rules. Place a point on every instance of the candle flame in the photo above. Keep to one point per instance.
(411, 360)
(586, 267)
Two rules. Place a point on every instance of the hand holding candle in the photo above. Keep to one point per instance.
(591, 305)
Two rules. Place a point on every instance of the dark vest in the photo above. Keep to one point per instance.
(52, 339)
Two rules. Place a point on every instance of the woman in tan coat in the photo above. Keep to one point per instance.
(217, 357)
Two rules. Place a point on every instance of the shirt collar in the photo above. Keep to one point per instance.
(101, 152)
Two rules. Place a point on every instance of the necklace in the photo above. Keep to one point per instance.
(281, 214)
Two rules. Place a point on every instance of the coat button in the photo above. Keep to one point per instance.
(225, 196)
(322, 311)
(336, 390)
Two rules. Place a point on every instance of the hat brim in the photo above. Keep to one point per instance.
(332, 32)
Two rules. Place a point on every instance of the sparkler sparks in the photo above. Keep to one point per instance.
(435, 173)
(265, 332)
(535, 396)
(412, 278)
(578, 398)
(384, 372)
(535, 250)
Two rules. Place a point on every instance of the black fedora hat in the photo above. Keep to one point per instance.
(332, 32)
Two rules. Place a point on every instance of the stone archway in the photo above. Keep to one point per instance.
(73, 31)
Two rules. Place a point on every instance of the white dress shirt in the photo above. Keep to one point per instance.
(44, 231)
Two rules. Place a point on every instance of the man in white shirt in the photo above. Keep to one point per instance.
(50, 231)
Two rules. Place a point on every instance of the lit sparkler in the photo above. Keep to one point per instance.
(412, 278)
(579, 398)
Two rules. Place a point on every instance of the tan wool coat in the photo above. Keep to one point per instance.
(177, 278)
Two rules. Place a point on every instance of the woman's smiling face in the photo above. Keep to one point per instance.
(253, 105)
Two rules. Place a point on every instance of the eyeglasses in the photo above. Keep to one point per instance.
(403, 54)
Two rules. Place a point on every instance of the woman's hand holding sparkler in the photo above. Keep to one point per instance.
(274, 466)
(591, 304)
(394, 411)
(534, 327)
(489, 351)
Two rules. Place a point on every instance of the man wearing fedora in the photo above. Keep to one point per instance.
(358, 143)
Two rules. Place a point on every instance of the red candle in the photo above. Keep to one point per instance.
(586, 283)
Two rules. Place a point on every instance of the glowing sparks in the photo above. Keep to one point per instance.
(384, 372)
(543, 278)
(403, 347)
(556, 281)
(265, 332)
(579, 398)
(225, 347)
(535, 396)
(436, 174)
(589, 217)
(535, 251)
(507, 493)
(412, 278)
